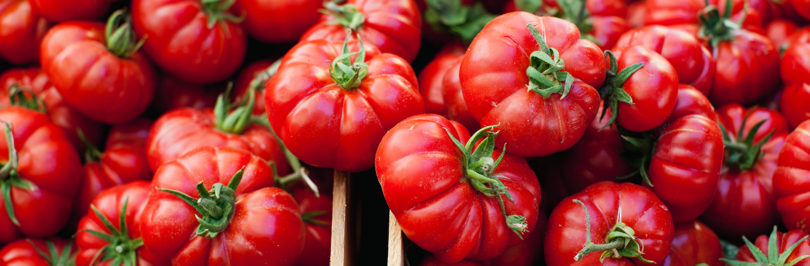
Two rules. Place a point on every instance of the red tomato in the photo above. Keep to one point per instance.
(694, 243)
(321, 112)
(175, 94)
(431, 79)
(779, 30)
(65, 10)
(796, 59)
(636, 14)
(794, 103)
(553, 113)
(434, 187)
(454, 98)
(690, 102)
(109, 86)
(802, 7)
(22, 32)
(692, 61)
(602, 208)
(744, 204)
(255, 76)
(789, 180)
(669, 12)
(794, 240)
(29, 252)
(394, 26)
(61, 114)
(317, 214)
(264, 224)
(40, 185)
(117, 214)
(197, 42)
(278, 21)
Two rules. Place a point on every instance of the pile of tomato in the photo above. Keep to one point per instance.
(541, 132)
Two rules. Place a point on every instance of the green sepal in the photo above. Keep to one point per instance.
(24, 97)
(122, 250)
(217, 11)
(545, 71)
(121, 38)
(773, 258)
(217, 211)
(345, 15)
(531, 6)
(53, 257)
(308, 218)
(613, 91)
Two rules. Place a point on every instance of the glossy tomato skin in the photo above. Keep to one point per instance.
(640, 209)
(681, 12)
(266, 227)
(690, 101)
(692, 61)
(394, 26)
(109, 203)
(493, 80)
(327, 126)
(453, 98)
(22, 253)
(318, 243)
(693, 243)
(181, 43)
(783, 242)
(75, 57)
(22, 32)
(744, 204)
(452, 220)
(38, 142)
(789, 180)
(802, 7)
(793, 104)
(173, 93)
(60, 113)
(796, 59)
(289, 19)
(183, 130)
(654, 89)
(431, 79)
(243, 81)
(779, 30)
(756, 62)
(65, 10)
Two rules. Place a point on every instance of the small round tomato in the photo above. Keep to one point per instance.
(316, 210)
(793, 103)
(65, 10)
(796, 59)
(779, 30)
(454, 98)
(278, 21)
(255, 77)
(609, 224)
(789, 180)
(22, 32)
(791, 248)
(693, 243)
(431, 79)
(173, 93)
(28, 252)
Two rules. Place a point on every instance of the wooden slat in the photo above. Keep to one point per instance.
(396, 248)
(343, 226)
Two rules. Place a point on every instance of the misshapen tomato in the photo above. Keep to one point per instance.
(693, 243)
(278, 21)
(436, 189)
(431, 79)
(22, 32)
(454, 98)
(553, 113)
(37, 252)
(793, 103)
(790, 182)
(65, 10)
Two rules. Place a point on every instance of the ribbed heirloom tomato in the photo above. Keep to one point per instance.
(455, 200)
(516, 51)
(790, 182)
(37, 252)
(791, 248)
(693, 243)
(793, 103)
(453, 98)
(22, 32)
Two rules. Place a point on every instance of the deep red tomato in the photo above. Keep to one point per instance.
(123, 161)
(454, 98)
(32, 178)
(626, 211)
(321, 112)
(36, 252)
(22, 32)
(680, 12)
(744, 204)
(317, 214)
(692, 61)
(436, 189)
(779, 30)
(690, 102)
(278, 21)
(110, 85)
(61, 114)
(254, 223)
(175, 94)
(693, 243)
(636, 14)
(431, 79)
(796, 59)
(198, 42)
(255, 76)
(773, 249)
(65, 10)
(552, 114)
(117, 214)
(802, 7)
(789, 180)
(794, 103)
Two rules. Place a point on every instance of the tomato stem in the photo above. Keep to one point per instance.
(545, 71)
(346, 15)
(742, 153)
(121, 39)
(453, 17)
(26, 98)
(346, 74)
(613, 91)
(718, 28)
(217, 11)
(620, 242)
(773, 257)
(308, 218)
(122, 250)
(92, 154)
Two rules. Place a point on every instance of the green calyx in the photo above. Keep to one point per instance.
(215, 205)
(345, 15)
(546, 70)
(121, 38)
(478, 167)
(121, 250)
(92, 154)
(53, 257)
(453, 17)
(241, 116)
(742, 153)
(9, 177)
(619, 242)
(575, 12)
(346, 74)
(773, 258)
(217, 11)
(26, 98)
(613, 91)
(309, 218)
(639, 148)
(718, 28)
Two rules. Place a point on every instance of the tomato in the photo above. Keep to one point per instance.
(116, 213)
(65, 10)
(253, 223)
(794, 104)
(22, 32)
(321, 112)
(123, 161)
(394, 26)
(744, 203)
(175, 94)
(690, 101)
(789, 180)
(555, 110)
(456, 201)
(636, 14)
(317, 213)
(76, 57)
(36, 252)
(198, 42)
(431, 79)
(255, 76)
(70, 120)
(802, 7)
(453, 98)
(692, 61)
(626, 211)
(791, 248)
(669, 13)
(37, 184)
(693, 243)
(779, 30)
(278, 21)
(796, 59)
